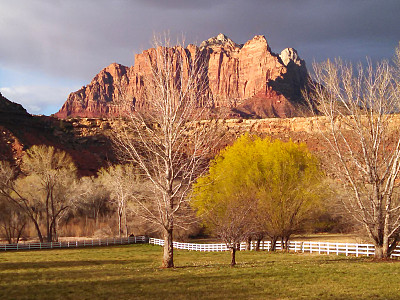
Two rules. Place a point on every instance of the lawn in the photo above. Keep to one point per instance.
(132, 272)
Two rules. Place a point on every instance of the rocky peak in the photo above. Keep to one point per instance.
(290, 55)
(258, 42)
(221, 41)
(116, 70)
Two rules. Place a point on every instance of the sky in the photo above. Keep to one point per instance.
(50, 48)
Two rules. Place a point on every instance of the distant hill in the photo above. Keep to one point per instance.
(19, 130)
(7, 107)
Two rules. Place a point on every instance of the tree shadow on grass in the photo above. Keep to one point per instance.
(65, 264)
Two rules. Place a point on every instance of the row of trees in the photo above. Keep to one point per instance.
(45, 191)
(255, 188)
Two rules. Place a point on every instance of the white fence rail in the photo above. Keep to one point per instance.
(295, 246)
(74, 244)
(192, 246)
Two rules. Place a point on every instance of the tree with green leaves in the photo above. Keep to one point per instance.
(288, 188)
(258, 185)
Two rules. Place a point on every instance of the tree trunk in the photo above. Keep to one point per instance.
(287, 243)
(56, 231)
(126, 221)
(382, 251)
(168, 258)
(233, 256)
(119, 223)
(20, 232)
(379, 251)
(53, 236)
(38, 230)
(53, 227)
(273, 243)
(248, 243)
(48, 228)
(258, 242)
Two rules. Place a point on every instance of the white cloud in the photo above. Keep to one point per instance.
(39, 99)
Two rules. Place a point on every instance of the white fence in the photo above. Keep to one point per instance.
(192, 246)
(74, 244)
(295, 246)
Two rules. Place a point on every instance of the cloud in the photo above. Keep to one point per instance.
(45, 99)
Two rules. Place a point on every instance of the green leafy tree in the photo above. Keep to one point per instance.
(258, 186)
(288, 188)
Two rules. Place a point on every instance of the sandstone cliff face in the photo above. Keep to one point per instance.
(249, 79)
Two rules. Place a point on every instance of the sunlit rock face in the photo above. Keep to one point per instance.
(248, 80)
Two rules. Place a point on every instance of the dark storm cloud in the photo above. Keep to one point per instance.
(181, 4)
(75, 39)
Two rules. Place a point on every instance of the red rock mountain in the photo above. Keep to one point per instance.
(250, 80)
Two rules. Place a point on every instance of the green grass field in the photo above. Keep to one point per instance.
(132, 272)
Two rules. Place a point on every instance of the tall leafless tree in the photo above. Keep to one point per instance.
(358, 106)
(166, 138)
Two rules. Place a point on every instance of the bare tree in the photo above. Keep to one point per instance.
(44, 188)
(120, 180)
(93, 199)
(9, 190)
(165, 138)
(230, 217)
(358, 105)
(12, 221)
